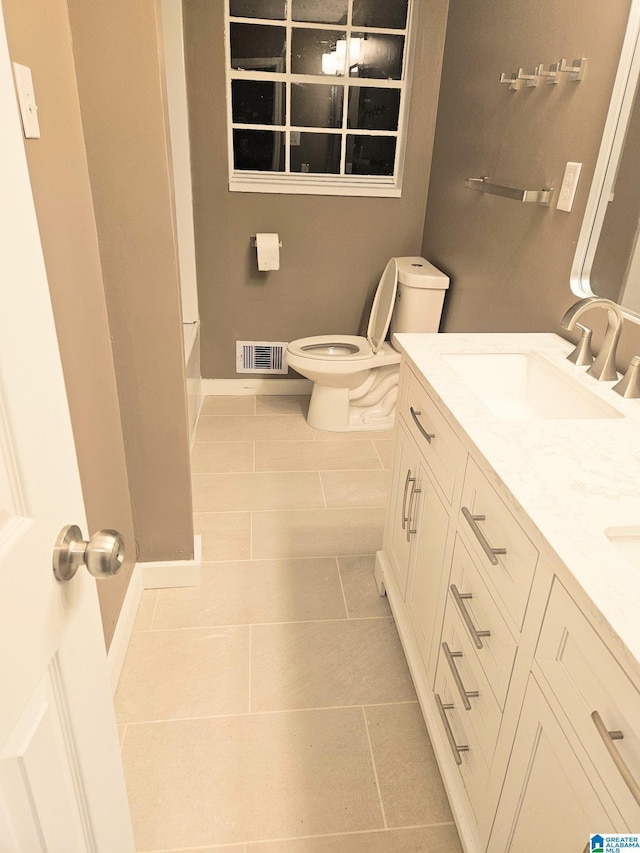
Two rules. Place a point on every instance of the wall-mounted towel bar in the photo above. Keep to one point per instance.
(484, 185)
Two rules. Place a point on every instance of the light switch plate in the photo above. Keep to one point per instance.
(569, 186)
(26, 101)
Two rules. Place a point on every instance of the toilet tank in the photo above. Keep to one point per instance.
(420, 296)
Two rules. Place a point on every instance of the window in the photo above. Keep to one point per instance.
(317, 95)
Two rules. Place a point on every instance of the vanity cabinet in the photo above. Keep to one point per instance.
(550, 801)
(508, 668)
(577, 733)
(419, 530)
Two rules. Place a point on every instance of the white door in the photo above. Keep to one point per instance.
(61, 781)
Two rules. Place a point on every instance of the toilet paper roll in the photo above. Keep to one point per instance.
(268, 248)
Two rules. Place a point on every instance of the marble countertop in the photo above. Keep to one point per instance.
(572, 478)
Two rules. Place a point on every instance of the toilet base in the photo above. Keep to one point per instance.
(371, 406)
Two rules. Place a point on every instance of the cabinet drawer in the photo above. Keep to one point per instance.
(459, 740)
(435, 438)
(480, 712)
(586, 678)
(504, 551)
(477, 610)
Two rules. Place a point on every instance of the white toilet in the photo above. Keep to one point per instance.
(355, 379)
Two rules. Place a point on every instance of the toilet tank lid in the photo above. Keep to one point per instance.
(418, 272)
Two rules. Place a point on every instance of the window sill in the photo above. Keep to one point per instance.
(364, 187)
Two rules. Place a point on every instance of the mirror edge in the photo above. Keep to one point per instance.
(622, 97)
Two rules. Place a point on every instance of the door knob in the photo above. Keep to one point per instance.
(102, 554)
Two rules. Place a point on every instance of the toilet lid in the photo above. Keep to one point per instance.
(382, 307)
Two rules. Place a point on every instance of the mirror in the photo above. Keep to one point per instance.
(607, 260)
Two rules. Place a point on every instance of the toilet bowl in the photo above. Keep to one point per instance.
(355, 379)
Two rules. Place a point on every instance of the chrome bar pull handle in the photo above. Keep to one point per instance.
(416, 417)
(408, 480)
(476, 634)
(472, 521)
(455, 747)
(465, 694)
(608, 739)
(414, 492)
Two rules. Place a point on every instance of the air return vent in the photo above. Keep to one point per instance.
(261, 357)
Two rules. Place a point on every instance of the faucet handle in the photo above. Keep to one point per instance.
(582, 354)
(629, 385)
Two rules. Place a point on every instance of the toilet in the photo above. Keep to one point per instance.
(355, 379)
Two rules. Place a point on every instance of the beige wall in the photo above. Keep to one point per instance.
(118, 58)
(510, 262)
(334, 249)
(39, 37)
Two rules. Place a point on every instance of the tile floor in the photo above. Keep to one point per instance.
(270, 710)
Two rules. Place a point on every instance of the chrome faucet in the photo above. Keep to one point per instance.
(604, 367)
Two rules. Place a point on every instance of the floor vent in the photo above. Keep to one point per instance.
(261, 357)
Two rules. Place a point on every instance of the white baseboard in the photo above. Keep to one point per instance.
(124, 627)
(165, 574)
(158, 575)
(256, 385)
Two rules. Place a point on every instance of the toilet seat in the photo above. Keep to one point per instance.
(333, 347)
(346, 348)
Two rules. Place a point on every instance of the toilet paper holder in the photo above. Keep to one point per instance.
(254, 242)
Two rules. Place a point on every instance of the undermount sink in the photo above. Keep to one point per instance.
(627, 541)
(524, 385)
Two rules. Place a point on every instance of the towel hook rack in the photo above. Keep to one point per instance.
(531, 79)
(512, 80)
(576, 71)
(551, 74)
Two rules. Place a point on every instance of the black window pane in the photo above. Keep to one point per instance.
(317, 52)
(257, 102)
(320, 11)
(390, 14)
(258, 150)
(316, 152)
(379, 56)
(316, 106)
(373, 109)
(256, 47)
(370, 155)
(275, 9)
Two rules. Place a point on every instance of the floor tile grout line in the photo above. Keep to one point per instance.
(349, 833)
(274, 624)
(324, 495)
(358, 470)
(266, 713)
(282, 559)
(250, 668)
(155, 610)
(375, 447)
(370, 554)
(344, 597)
(375, 769)
(295, 509)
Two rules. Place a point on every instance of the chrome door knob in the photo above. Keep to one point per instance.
(102, 554)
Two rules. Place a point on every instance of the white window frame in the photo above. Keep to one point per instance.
(300, 183)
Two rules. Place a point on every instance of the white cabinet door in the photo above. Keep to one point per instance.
(405, 508)
(549, 801)
(61, 781)
(427, 589)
